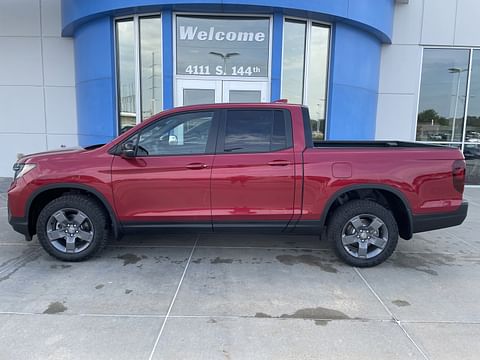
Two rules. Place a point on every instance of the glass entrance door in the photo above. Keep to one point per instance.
(192, 92)
(245, 91)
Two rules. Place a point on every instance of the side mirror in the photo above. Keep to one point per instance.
(172, 140)
(128, 150)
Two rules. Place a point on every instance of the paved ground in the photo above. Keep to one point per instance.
(242, 297)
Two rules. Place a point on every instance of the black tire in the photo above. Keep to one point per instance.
(363, 210)
(97, 228)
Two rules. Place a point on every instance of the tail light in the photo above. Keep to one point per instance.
(458, 173)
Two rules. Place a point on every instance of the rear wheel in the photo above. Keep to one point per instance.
(72, 227)
(364, 233)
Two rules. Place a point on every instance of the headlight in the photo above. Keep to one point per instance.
(21, 169)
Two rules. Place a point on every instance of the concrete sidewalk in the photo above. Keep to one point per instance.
(242, 297)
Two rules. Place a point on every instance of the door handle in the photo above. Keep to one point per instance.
(197, 166)
(279, 163)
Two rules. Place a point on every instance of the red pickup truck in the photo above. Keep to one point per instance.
(243, 167)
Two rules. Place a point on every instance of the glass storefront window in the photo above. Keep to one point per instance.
(139, 68)
(126, 73)
(471, 148)
(450, 77)
(151, 65)
(471, 152)
(305, 69)
(443, 93)
(294, 35)
(317, 79)
(222, 46)
(472, 134)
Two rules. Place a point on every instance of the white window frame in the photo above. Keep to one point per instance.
(138, 81)
(467, 98)
(308, 37)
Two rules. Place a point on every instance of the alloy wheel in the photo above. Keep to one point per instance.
(70, 230)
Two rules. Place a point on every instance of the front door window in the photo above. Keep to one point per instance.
(178, 135)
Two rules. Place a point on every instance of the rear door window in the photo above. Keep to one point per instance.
(250, 131)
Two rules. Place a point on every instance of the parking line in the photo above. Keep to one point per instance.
(460, 322)
(17, 313)
(157, 316)
(273, 318)
(148, 316)
(391, 314)
(173, 300)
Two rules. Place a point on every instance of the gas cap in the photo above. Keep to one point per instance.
(342, 170)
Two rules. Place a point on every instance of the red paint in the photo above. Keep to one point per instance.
(162, 188)
(248, 187)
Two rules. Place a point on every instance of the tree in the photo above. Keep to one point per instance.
(430, 116)
(426, 116)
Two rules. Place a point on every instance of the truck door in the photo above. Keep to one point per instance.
(168, 179)
(253, 172)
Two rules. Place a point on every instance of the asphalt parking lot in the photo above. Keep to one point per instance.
(242, 297)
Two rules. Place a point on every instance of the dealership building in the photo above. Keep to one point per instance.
(79, 72)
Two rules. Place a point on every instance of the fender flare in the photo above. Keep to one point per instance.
(116, 226)
(406, 234)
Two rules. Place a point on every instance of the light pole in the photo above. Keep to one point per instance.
(153, 83)
(225, 57)
(457, 71)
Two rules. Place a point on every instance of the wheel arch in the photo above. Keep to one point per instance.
(47, 193)
(386, 195)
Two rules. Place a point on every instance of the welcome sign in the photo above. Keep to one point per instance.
(213, 46)
(193, 33)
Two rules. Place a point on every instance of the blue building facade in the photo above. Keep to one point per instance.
(340, 76)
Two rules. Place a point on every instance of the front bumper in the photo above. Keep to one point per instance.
(429, 222)
(20, 225)
(17, 198)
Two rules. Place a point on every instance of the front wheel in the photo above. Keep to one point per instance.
(72, 227)
(364, 233)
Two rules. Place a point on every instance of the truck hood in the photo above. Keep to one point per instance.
(58, 152)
